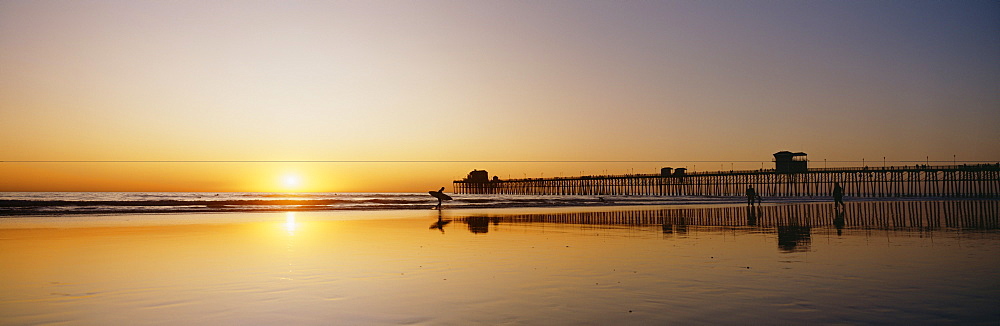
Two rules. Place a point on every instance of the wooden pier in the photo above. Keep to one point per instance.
(966, 180)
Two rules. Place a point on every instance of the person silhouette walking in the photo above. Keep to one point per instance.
(838, 195)
(440, 195)
(751, 196)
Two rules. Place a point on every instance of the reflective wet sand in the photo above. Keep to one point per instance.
(882, 262)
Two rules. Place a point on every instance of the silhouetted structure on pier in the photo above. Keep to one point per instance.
(790, 178)
(788, 162)
(478, 176)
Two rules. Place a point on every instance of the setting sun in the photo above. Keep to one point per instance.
(291, 182)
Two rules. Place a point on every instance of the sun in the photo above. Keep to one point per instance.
(291, 181)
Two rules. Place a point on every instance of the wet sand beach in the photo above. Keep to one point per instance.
(915, 262)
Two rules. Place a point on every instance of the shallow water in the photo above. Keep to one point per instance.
(80, 203)
(898, 263)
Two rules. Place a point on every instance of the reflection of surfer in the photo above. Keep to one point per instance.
(440, 196)
(439, 225)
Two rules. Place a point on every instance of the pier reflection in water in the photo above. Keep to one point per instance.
(792, 224)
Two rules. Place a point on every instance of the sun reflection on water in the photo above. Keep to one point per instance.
(290, 224)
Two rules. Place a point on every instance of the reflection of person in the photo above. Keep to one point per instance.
(439, 225)
(838, 221)
(752, 214)
(838, 194)
(441, 222)
(751, 196)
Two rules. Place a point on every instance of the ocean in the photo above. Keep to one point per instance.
(60, 203)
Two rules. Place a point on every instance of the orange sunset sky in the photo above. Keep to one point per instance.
(666, 81)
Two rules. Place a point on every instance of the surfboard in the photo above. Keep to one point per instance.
(439, 195)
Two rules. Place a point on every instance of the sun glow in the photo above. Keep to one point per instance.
(291, 182)
(290, 224)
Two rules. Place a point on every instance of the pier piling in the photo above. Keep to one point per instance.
(969, 181)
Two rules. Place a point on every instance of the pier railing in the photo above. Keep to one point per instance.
(965, 180)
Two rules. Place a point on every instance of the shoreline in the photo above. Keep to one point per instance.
(631, 201)
(144, 219)
(216, 217)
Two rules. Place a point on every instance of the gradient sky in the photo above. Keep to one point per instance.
(480, 80)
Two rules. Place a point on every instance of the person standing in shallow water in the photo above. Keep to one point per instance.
(838, 195)
(751, 195)
(440, 195)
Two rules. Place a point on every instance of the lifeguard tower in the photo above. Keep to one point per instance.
(788, 162)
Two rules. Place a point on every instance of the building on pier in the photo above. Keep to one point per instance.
(478, 176)
(788, 162)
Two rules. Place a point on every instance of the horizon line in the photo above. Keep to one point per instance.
(475, 161)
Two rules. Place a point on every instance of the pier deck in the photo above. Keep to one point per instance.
(966, 180)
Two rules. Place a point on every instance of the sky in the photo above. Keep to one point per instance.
(670, 82)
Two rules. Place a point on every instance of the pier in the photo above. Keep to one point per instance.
(960, 180)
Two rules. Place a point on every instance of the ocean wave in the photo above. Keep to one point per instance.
(250, 202)
(58, 203)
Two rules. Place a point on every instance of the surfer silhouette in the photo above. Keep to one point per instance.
(440, 196)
